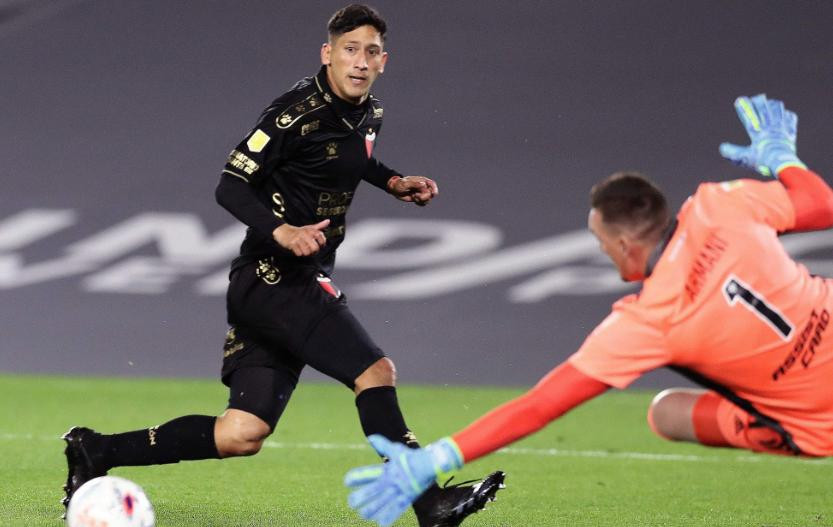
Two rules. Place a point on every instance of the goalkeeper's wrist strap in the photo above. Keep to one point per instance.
(445, 456)
(790, 164)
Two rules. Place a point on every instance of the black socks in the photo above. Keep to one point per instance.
(183, 438)
(379, 413)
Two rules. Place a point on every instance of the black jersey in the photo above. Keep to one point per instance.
(302, 163)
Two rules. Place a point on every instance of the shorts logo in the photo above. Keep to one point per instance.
(328, 286)
(231, 345)
(267, 272)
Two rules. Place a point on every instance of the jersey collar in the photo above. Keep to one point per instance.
(667, 234)
(339, 106)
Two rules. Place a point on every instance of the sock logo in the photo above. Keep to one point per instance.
(410, 439)
(152, 435)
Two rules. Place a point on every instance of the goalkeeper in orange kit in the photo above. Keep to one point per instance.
(721, 302)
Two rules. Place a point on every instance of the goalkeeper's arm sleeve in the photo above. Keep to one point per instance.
(811, 196)
(558, 392)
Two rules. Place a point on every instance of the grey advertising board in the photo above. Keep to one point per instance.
(116, 119)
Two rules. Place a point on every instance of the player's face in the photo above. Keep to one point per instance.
(353, 61)
(627, 255)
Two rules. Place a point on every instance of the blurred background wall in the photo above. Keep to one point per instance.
(116, 118)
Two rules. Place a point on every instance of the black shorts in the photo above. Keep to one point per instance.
(288, 318)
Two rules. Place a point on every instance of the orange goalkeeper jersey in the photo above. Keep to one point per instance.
(726, 301)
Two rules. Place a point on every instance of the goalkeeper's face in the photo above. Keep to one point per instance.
(354, 60)
(628, 254)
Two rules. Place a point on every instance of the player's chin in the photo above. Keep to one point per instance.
(357, 93)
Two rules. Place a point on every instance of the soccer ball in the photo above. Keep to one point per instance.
(110, 501)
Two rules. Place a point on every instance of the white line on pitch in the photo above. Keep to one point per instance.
(540, 452)
(555, 452)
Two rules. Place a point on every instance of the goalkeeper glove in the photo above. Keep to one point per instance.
(383, 492)
(772, 130)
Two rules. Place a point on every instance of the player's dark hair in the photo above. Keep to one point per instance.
(349, 18)
(629, 199)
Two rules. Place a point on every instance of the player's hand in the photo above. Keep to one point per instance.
(772, 129)
(383, 492)
(416, 189)
(302, 241)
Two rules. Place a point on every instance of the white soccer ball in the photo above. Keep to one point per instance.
(110, 501)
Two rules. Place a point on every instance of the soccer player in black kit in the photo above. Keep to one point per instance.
(291, 181)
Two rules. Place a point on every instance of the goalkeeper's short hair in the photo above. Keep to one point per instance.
(630, 200)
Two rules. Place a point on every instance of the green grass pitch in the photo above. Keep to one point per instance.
(599, 465)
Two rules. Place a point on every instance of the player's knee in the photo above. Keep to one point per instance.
(380, 373)
(240, 433)
(669, 414)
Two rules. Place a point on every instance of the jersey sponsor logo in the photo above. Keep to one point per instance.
(258, 141)
(368, 142)
(155, 253)
(333, 203)
(310, 127)
(804, 349)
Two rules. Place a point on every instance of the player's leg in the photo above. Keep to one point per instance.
(360, 365)
(90, 454)
(705, 417)
(672, 415)
(260, 383)
(258, 396)
(687, 414)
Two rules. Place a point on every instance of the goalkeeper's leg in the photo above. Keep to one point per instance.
(704, 417)
(684, 414)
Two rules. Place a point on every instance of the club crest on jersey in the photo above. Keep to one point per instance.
(369, 138)
(328, 286)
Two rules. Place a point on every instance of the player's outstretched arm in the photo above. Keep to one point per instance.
(383, 492)
(811, 196)
(772, 130)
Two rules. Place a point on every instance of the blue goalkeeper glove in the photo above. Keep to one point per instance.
(383, 492)
(772, 130)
